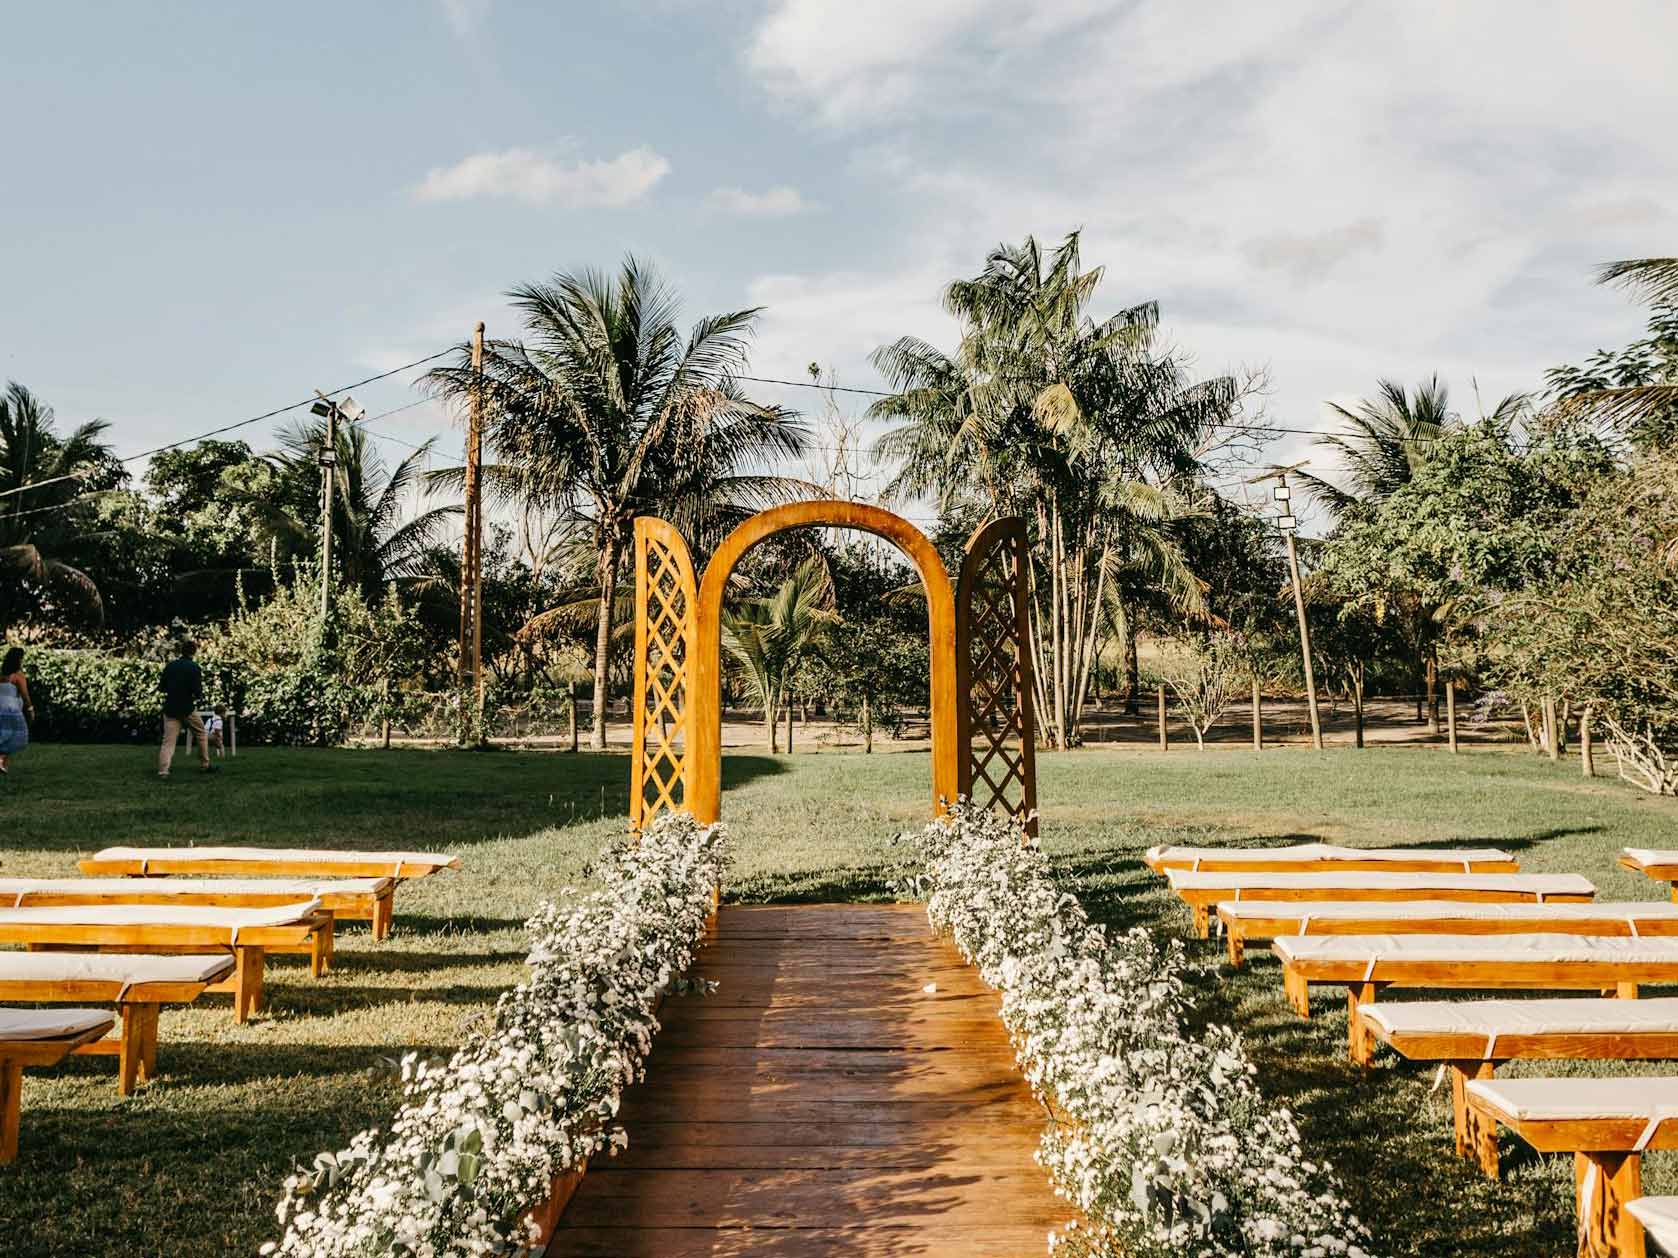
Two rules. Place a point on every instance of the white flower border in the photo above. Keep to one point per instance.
(1162, 1139)
(479, 1139)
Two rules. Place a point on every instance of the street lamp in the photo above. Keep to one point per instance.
(1289, 524)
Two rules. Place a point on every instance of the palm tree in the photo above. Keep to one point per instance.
(1389, 437)
(1645, 397)
(769, 637)
(373, 544)
(42, 477)
(1078, 425)
(604, 411)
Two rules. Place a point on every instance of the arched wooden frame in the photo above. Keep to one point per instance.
(704, 759)
(993, 672)
(666, 602)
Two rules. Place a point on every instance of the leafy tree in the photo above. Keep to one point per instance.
(1082, 426)
(604, 412)
(769, 637)
(46, 487)
(1628, 394)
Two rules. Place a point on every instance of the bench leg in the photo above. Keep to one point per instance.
(1298, 990)
(1626, 991)
(148, 1042)
(1359, 1042)
(11, 1104)
(131, 1050)
(247, 982)
(1203, 921)
(1603, 1183)
(1476, 1140)
(320, 949)
(1237, 945)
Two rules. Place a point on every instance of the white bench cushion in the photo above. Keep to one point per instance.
(1245, 885)
(1304, 853)
(315, 856)
(1490, 948)
(1564, 1100)
(51, 1024)
(111, 967)
(1493, 1018)
(1306, 911)
(1659, 1217)
(12, 889)
(1652, 855)
(159, 915)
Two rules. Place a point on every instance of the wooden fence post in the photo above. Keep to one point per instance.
(1258, 716)
(573, 718)
(1451, 712)
(1587, 762)
(1164, 739)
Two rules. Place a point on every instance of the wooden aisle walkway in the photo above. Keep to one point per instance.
(823, 1102)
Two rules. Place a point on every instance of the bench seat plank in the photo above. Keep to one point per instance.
(1200, 891)
(288, 861)
(1330, 858)
(38, 1038)
(1242, 921)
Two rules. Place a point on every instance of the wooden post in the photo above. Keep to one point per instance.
(1451, 713)
(1258, 716)
(1587, 762)
(1357, 702)
(1164, 738)
(573, 718)
(789, 720)
(384, 715)
(1552, 745)
(1304, 641)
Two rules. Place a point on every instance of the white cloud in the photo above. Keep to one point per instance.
(464, 16)
(776, 202)
(527, 176)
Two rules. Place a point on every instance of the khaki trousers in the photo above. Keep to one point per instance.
(172, 735)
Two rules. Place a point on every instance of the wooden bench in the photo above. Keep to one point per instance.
(353, 899)
(1656, 863)
(1326, 858)
(1607, 1124)
(38, 1038)
(1241, 921)
(1369, 964)
(265, 862)
(137, 985)
(1474, 1037)
(1200, 891)
(248, 934)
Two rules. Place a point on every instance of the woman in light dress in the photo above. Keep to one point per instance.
(14, 703)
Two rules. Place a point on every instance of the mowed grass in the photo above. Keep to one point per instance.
(191, 1165)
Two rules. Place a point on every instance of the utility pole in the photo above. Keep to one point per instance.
(1288, 522)
(331, 411)
(471, 564)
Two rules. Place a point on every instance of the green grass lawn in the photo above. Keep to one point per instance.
(191, 1165)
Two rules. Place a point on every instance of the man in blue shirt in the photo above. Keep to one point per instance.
(182, 684)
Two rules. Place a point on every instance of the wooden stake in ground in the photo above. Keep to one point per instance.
(1258, 716)
(1587, 762)
(573, 717)
(1164, 740)
(1451, 712)
(471, 560)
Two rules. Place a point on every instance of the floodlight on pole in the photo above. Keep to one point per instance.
(1288, 523)
(1282, 493)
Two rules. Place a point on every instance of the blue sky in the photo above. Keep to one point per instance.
(211, 209)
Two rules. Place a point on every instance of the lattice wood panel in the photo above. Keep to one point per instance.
(665, 603)
(993, 673)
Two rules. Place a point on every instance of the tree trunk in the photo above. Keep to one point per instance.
(1357, 701)
(1587, 763)
(1451, 713)
(1132, 670)
(1433, 691)
(867, 726)
(789, 724)
(1164, 738)
(1526, 719)
(1258, 716)
(607, 570)
(573, 718)
(771, 724)
(1552, 745)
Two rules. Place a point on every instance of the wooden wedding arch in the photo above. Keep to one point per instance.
(981, 689)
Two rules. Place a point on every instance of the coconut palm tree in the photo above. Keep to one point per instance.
(1634, 394)
(1079, 425)
(1387, 438)
(604, 410)
(374, 538)
(769, 637)
(42, 477)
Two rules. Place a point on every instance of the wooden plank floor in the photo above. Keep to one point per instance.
(823, 1102)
